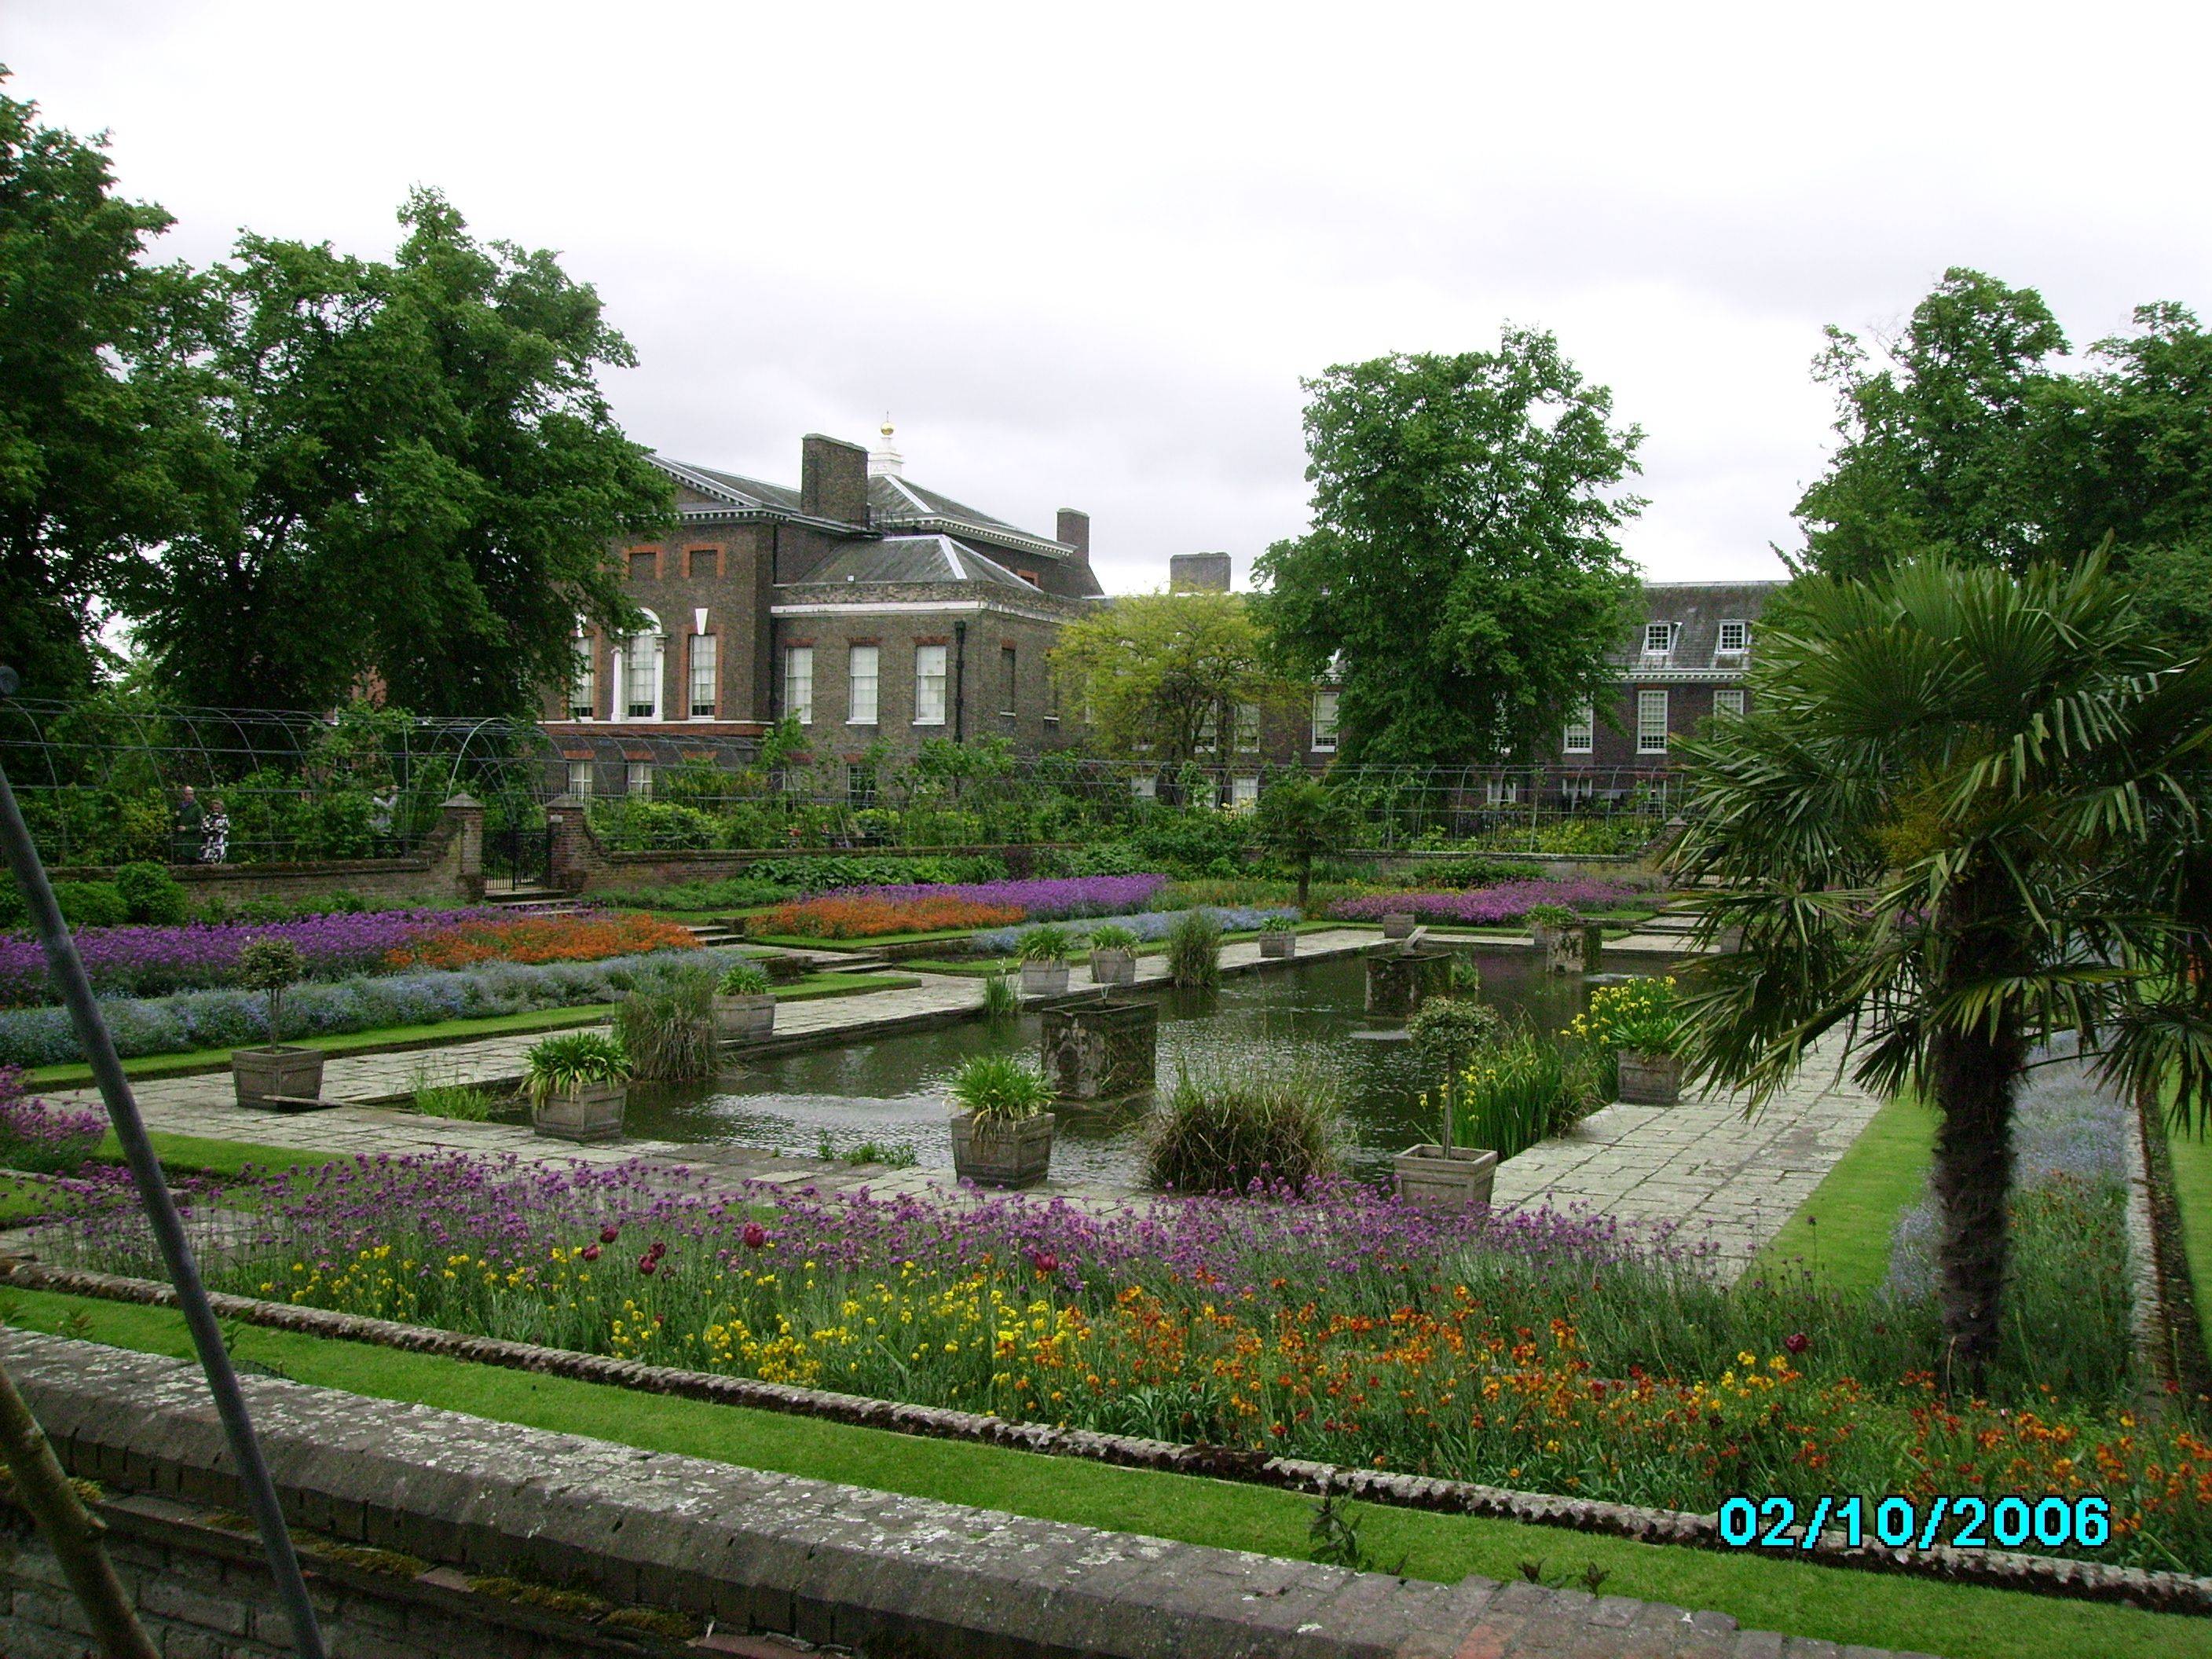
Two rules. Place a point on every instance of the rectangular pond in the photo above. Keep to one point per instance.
(891, 1091)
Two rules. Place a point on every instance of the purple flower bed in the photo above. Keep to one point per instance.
(1507, 901)
(42, 1138)
(153, 961)
(1044, 898)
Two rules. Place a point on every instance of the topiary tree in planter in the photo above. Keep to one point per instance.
(275, 1074)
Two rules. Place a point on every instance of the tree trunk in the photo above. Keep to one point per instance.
(1305, 878)
(70, 1530)
(1974, 1075)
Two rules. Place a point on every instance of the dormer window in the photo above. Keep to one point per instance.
(1734, 639)
(1658, 639)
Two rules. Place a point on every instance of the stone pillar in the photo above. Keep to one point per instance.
(1559, 950)
(568, 856)
(460, 826)
(1400, 981)
(1101, 1050)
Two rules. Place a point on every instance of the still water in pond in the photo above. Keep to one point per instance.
(891, 1091)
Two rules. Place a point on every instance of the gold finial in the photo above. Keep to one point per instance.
(887, 424)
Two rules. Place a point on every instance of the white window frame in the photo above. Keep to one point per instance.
(580, 779)
(1663, 633)
(1245, 793)
(1144, 788)
(930, 687)
(1729, 702)
(1325, 727)
(1576, 787)
(1501, 792)
(703, 645)
(1721, 646)
(1580, 736)
(1247, 736)
(1010, 680)
(1651, 720)
(798, 683)
(643, 653)
(584, 684)
(637, 779)
(864, 710)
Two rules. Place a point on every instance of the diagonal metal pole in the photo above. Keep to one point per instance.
(62, 962)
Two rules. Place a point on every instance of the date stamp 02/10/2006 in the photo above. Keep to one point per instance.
(1961, 1523)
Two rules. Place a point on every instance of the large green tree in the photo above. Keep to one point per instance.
(1165, 674)
(1973, 436)
(418, 481)
(1462, 562)
(1966, 816)
(99, 414)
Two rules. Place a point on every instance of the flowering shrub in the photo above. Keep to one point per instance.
(840, 916)
(1543, 1351)
(41, 1138)
(589, 938)
(1506, 902)
(235, 1019)
(150, 960)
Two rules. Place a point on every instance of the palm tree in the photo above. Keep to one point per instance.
(1301, 819)
(1967, 816)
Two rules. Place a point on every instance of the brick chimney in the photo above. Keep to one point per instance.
(1074, 529)
(833, 479)
(1198, 573)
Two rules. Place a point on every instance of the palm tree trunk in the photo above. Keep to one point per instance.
(1974, 1075)
(1305, 878)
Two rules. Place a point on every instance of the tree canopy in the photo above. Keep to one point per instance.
(1461, 568)
(100, 417)
(417, 478)
(1969, 436)
(1159, 673)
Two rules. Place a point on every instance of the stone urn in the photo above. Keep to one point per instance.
(592, 1113)
(277, 1078)
(1445, 1177)
(1100, 1050)
(1044, 979)
(1650, 1079)
(743, 1019)
(1279, 946)
(997, 1152)
(1398, 924)
(1114, 965)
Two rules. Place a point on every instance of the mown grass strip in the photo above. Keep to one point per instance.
(2192, 1196)
(1838, 1605)
(1842, 1231)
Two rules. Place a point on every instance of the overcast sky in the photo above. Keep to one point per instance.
(1083, 255)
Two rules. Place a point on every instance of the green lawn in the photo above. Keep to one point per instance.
(1794, 1597)
(2192, 1196)
(1843, 1230)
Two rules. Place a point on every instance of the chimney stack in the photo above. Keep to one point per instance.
(1074, 529)
(1198, 573)
(833, 479)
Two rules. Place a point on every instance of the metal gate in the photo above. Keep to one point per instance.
(518, 856)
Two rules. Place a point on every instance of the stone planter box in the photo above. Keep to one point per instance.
(1398, 924)
(1279, 945)
(1457, 1177)
(1113, 966)
(273, 1079)
(743, 1019)
(994, 1152)
(1398, 980)
(1044, 979)
(1650, 1079)
(1559, 949)
(594, 1114)
(1101, 1050)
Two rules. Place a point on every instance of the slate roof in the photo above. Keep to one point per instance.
(1695, 611)
(937, 558)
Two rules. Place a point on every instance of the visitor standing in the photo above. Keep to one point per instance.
(186, 829)
(214, 834)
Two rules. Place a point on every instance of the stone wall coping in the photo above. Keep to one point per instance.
(824, 1562)
(2161, 1591)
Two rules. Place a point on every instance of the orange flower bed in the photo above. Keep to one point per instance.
(542, 939)
(832, 917)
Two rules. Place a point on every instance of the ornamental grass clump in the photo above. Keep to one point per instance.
(1194, 952)
(1049, 943)
(573, 1063)
(1001, 1000)
(1274, 1126)
(1001, 1088)
(669, 1031)
(743, 979)
(1519, 1086)
(1112, 936)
